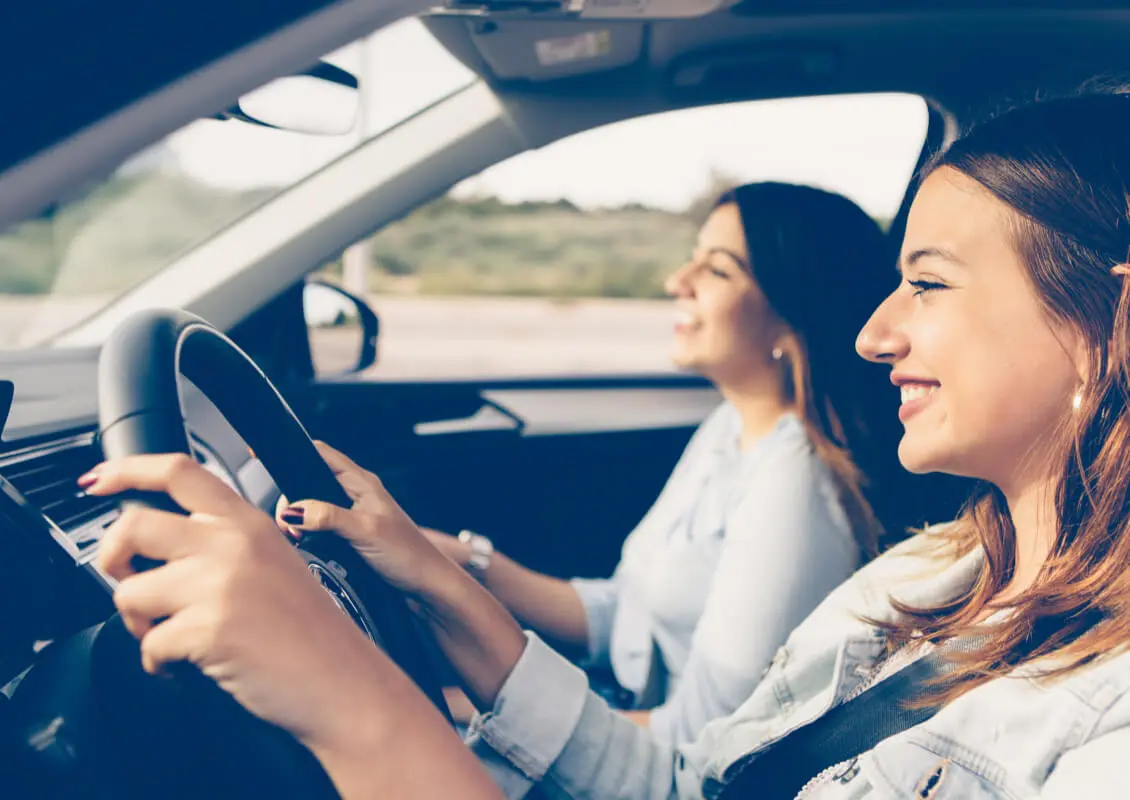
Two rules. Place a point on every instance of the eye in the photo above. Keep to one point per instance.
(718, 272)
(922, 287)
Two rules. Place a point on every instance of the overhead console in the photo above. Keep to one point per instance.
(583, 9)
(540, 41)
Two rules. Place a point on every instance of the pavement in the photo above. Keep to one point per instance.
(437, 337)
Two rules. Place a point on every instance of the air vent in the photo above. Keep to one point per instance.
(47, 480)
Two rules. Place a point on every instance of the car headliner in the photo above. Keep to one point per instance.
(71, 65)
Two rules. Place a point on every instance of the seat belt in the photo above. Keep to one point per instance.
(781, 770)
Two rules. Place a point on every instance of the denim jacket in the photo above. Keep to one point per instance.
(1015, 737)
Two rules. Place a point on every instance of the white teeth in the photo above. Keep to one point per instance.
(684, 318)
(915, 391)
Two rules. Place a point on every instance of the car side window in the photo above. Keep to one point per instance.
(553, 261)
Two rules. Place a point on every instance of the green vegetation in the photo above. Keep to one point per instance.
(130, 227)
(122, 231)
(486, 247)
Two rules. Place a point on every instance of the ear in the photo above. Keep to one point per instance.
(1082, 356)
(788, 343)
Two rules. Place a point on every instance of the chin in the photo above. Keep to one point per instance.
(684, 361)
(919, 458)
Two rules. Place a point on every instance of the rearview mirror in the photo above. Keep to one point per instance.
(324, 100)
(341, 327)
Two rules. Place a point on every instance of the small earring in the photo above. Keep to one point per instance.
(778, 354)
(1077, 399)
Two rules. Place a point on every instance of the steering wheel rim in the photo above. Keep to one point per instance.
(140, 412)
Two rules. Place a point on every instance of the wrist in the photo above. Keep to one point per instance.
(478, 553)
(357, 716)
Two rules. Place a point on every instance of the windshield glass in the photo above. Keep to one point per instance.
(88, 249)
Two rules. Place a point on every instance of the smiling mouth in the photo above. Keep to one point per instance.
(915, 397)
(916, 391)
(685, 321)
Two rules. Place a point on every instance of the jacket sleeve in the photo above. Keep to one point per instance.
(547, 728)
(600, 599)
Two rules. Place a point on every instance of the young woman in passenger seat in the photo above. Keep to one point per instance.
(1009, 339)
(764, 513)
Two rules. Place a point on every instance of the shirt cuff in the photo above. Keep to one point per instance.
(536, 712)
(598, 597)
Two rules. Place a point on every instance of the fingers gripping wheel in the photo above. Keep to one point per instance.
(140, 412)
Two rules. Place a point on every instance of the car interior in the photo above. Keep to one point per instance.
(557, 467)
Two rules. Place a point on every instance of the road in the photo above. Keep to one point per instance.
(424, 337)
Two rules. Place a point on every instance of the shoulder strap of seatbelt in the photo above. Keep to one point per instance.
(781, 770)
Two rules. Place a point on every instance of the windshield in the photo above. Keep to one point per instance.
(90, 248)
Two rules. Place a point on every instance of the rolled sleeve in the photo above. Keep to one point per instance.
(547, 727)
(533, 718)
(599, 597)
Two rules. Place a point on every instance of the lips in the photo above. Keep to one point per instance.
(685, 320)
(916, 395)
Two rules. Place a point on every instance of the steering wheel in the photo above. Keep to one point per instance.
(186, 737)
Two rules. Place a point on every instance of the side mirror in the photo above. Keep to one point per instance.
(323, 100)
(342, 329)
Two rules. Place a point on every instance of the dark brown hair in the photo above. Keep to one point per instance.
(824, 265)
(1063, 168)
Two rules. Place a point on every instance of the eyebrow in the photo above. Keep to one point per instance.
(741, 262)
(927, 252)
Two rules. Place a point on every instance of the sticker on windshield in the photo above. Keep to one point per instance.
(564, 49)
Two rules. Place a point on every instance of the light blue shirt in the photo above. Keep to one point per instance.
(1020, 736)
(747, 541)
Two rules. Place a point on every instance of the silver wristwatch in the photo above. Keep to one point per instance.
(482, 549)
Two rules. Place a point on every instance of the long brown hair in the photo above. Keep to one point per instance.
(1063, 168)
(824, 265)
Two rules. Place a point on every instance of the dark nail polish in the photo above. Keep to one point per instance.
(294, 516)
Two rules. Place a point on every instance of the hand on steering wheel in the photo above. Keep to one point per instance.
(376, 525)
(233, 598)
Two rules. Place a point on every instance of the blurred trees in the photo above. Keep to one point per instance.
(132, 226)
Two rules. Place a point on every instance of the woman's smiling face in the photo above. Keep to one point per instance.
(724, 326)
(985, 372)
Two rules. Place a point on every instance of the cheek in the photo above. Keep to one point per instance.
(1023, 366)
(742, 325)
(1004, 387)
(1025, 392)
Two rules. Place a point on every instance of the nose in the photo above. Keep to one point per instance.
(883, 339)
(678, 283)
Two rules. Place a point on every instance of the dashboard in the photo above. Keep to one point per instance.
(50, 587)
